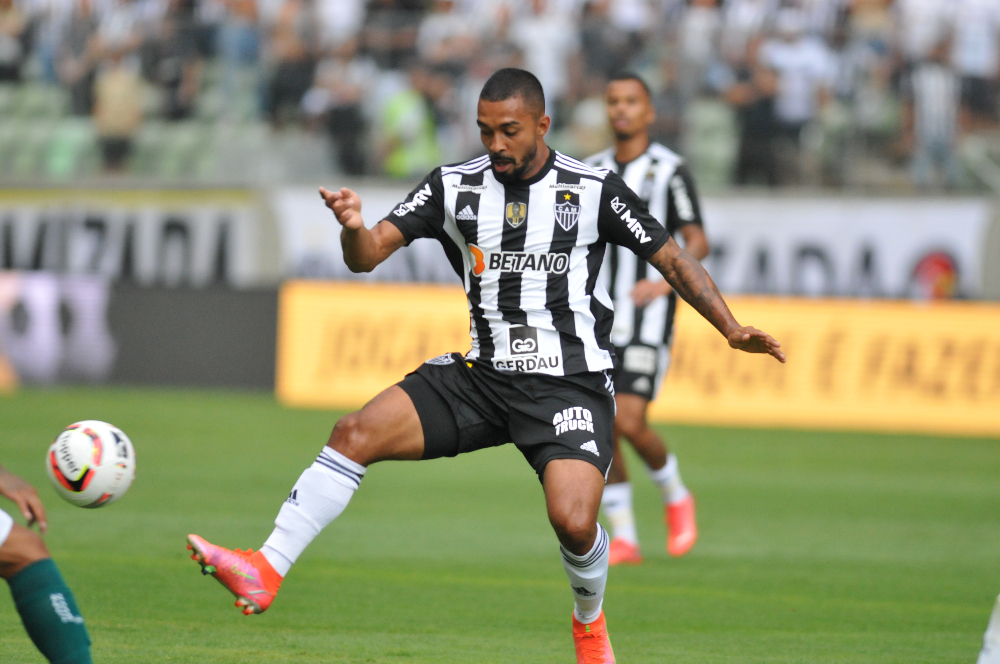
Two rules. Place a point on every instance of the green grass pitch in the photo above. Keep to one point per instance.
(815, 547)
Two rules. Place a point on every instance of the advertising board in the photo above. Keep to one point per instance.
(887, 366)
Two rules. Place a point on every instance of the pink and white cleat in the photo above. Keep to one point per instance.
(682, 532)
(245, 574)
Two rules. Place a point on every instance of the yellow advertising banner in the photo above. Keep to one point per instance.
(889, 366)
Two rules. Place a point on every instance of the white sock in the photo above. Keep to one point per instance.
(669, 480)
(617, 504)
(588, 574)
(318, 497)
(990, 653)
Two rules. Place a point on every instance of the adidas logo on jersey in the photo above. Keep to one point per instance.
(633, 224)
(466, 214)
(574, 419)
(591, 446)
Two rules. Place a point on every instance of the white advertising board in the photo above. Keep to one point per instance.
(821, 246)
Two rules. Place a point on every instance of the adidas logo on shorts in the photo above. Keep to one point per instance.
(591, 446)
(466, 214)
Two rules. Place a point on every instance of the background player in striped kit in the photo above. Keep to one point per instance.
(644, 316)
(529, 251)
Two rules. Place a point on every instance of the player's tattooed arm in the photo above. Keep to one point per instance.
(686, 275)
(363, 249)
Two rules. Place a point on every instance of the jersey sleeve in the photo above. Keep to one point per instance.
(683, 206)
(624, 220)
(422, 213)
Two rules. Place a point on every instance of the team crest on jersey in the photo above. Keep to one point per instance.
(516, 213)
(567, 209)
(441, 360)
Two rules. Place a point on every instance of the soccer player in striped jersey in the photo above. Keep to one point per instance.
(645, 305)
(525, 228)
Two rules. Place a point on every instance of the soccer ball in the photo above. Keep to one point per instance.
(91, 463)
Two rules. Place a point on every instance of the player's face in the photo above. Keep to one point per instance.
(512, 135)
(630, 109)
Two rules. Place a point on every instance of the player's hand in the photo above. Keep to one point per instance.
(646, 291)
(26, 498)
(346, 206)
(751, 340)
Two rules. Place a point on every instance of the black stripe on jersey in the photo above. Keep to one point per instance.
(557, 291)
(509, 297)
(638, 312)
(604, 318)
(668, 331)
(469, 228)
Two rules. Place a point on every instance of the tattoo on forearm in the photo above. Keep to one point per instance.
(691, 281)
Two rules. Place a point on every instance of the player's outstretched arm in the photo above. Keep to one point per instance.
(363, 249)
(692, 283)
(25, 496)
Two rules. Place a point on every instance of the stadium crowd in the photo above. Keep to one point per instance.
(878, 93)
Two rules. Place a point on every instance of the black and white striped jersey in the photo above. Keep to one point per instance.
(662, 181)
(529, 254)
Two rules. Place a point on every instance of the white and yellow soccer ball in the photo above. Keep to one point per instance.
(91, 463)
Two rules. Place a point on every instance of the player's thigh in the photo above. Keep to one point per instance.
(630, 416)
(388, 427)
(19, 547)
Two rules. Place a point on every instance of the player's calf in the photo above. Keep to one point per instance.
(42, 599)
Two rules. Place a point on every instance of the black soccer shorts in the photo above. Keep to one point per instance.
(468, 406)
(641, 369)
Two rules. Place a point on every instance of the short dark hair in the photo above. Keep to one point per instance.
(511, 82)
(632, 76)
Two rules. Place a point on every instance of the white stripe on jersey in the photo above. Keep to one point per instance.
(490, 226)
(648, 175)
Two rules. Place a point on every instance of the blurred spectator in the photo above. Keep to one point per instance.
(76, 58)
(976, 58)
(293, 44)
(932, 119)
(340, 21)
(445, 38)
(700, 27)
(177, 60)
(548, 38)
(669, 106)
(605, 46)
(752, 94)
(336, 100)
(118, 32)
(744, 20)
(805, 74)
(117, 109)
(13, 32)
(389, 35)
(588, 129)
(920, 26)
(239, 48)
(409, 134)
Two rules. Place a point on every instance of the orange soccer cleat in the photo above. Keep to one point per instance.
(592, 643)
(623, 552)
(682, 532)
(245, 574)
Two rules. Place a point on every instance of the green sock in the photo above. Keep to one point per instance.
(50, 614)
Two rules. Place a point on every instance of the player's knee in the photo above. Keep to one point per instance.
(575, 528)
(22, 548)
(630, 427)
(350, 438)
